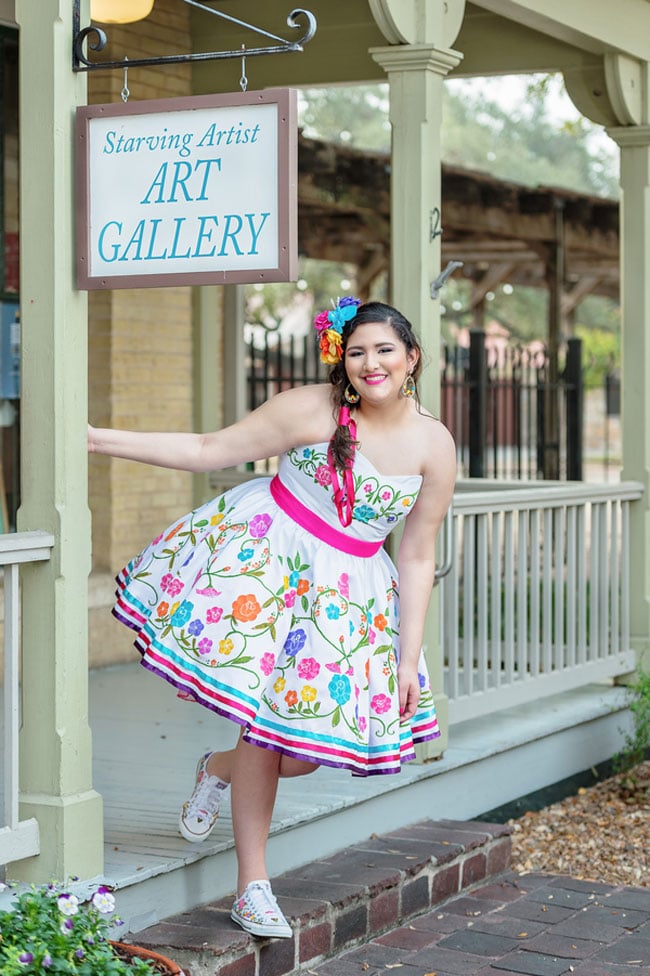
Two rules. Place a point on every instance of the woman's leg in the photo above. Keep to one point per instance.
(254, 777)
(254, 782)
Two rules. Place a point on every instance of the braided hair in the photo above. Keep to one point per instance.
(341, 445)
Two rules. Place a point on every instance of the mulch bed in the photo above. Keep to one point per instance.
(600, 834)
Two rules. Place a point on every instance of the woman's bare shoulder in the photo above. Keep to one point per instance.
(308, 410)
(437, 444)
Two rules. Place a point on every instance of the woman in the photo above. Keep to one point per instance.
(275, 604)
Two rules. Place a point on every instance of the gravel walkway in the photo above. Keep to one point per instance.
(601, 834)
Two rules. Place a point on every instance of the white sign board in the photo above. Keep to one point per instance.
(195, 190)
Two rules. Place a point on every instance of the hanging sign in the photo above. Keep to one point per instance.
(187, 191)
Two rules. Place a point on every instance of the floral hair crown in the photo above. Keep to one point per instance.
(329, 328)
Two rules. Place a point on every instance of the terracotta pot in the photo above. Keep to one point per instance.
(161, 964)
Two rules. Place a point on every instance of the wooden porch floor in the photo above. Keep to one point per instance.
(146, 743)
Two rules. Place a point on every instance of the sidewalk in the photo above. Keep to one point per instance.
(433, 898)
(536, 925)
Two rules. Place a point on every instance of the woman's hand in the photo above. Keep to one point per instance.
(91, 434)
(408, 684)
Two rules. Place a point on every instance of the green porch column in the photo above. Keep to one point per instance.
(634, 142)
(55, 745)
(415, 74)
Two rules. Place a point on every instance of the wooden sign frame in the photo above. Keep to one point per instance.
(187, 191)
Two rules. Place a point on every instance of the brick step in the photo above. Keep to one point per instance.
(340, 901)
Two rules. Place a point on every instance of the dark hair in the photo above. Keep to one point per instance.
(341, 444)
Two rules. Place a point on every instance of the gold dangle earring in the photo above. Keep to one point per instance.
(408, 388)
(350, 395)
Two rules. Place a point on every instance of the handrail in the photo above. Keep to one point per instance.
(549, 494)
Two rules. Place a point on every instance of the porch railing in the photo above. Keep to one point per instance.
(537, 599)
(18, 839)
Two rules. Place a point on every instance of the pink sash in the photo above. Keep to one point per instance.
(304, 516)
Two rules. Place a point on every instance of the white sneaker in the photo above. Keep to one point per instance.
(257, 912)
(199, 814)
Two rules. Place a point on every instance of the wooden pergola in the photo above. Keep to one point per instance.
(500, 230)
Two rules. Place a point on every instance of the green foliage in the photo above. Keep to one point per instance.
(529, 143)
(356, 116)
(47, 930)
(637, 743)
(601, 354)
(525, 141)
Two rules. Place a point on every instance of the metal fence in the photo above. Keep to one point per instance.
(513, 414)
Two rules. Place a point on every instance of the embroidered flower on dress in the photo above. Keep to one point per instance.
(295, 642)
(246, 608)
(323, 475)
(380, 703)
(308, 668)
(171, 584)
(205, 645)
(259, 525)
(339, 688)
(183, 614)
(267, 663)
(364, 513)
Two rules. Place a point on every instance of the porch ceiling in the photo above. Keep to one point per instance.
(496, 228)
(496, 37)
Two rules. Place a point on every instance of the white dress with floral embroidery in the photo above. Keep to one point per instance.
(255, 618)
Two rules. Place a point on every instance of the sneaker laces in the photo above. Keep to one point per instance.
(262, 899)
(206, 797)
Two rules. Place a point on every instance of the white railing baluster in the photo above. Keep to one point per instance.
(18, 839)
(544, 577)
(535, 605)
(571, 587)
(603, 581)
(495, 600)
(613, 558)
(469, 549)
(558, 587)
(547, 591)
(522, 593)
(450, 605)
(482, 587)
(594, 555)
(11, 695)
(625, 575)
(508, 597)
(582, 555)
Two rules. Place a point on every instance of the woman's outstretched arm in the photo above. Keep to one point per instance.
(298, 416)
